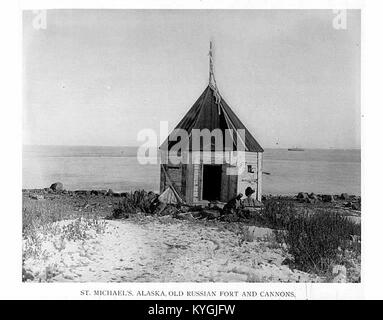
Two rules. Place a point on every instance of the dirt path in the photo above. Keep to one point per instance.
(167, 250)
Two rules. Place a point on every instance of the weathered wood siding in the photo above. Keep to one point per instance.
(175, 175)
(162, 179)
(189, 182)
(260, 175)
(197, 185)
(228, 184)
(187, 178)
(252, 179)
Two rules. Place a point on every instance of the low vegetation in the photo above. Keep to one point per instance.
(43, 221)
(277, 214)
(316, 240)
(133, 202)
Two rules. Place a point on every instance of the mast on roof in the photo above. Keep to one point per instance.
(212, 82)
(211, 66)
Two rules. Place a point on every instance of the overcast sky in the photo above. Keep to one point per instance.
(97, 77)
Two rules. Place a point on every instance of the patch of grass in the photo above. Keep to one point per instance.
(275, 214)
(278, 213)
(43, 214)
(79, 228)
(319, 241)
(38, 218)
(38, 214)
(40, 223)
(316, 240)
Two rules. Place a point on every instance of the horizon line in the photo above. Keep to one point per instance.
(136, 146)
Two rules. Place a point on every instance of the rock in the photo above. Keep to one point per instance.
(251, 233)
(210, 214)
(356, 206)
(196, 208)
(57, 186)
(216, 205)
(355, 238)
(288, 262)
(27, 275)
(327, 198)
(229, 218)
(232, 277)
(196, 214)
(302, 195)
(159, 208)
(185, 216)
(340, 274)
(169, 210)
(344, 196)
(354, 219)
(82, 192)
(244, 272)
(313, 196)
(184, 208)
(165, 219)
(119, 214)
(67, 276)
(37, 197)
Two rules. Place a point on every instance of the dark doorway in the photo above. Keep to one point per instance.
(211, 185)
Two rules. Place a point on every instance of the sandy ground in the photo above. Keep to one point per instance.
(164, 250)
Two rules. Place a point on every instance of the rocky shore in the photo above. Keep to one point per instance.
(103, 201)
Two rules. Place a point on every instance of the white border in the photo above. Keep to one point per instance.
(10, 193)
(193, 4)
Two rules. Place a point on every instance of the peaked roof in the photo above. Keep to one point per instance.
(212, 112)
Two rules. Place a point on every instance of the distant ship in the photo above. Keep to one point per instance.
(295, 149)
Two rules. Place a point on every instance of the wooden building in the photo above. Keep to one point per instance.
(199, 179)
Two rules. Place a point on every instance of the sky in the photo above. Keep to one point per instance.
(98, 77)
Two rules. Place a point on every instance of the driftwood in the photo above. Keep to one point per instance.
(177, 246)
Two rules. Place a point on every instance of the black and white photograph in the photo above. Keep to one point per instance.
(195, 146)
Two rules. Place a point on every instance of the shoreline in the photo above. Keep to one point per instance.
(104, 202)
(273, 195)
(348, 200)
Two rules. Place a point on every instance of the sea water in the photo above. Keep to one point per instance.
(83, 167)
